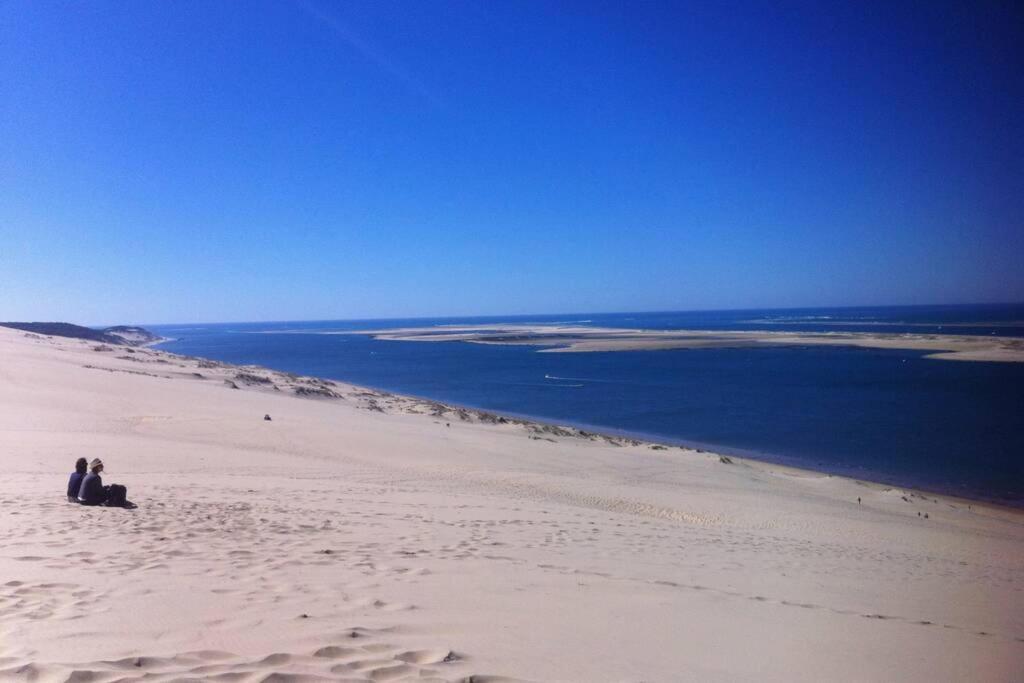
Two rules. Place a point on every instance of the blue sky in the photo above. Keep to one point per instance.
(220, 161)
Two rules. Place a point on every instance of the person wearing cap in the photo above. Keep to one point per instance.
(92, 491)
(75, 482)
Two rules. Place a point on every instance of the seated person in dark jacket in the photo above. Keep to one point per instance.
(75, 482)
(92, 491)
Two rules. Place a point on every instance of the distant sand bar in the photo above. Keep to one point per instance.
(563, 338)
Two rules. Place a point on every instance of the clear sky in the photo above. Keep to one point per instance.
(223, 161)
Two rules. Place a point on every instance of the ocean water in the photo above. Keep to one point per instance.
(891, 416)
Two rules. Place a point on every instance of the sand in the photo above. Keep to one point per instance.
(581, 339)
(357, 536)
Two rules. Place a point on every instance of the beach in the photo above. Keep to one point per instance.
(360, 535)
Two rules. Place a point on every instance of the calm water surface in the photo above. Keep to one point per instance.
(885, 415)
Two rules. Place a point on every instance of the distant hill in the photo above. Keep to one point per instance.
(132, 336)
(121, 335)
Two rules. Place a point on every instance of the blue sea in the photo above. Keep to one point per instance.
(890, 416)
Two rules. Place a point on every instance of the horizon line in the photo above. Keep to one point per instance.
(562, 313)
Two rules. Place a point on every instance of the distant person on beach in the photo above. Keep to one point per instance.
(75, 482)
(93, 492)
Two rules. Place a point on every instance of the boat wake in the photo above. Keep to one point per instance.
(580, 379)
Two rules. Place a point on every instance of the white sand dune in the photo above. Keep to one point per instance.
(357, 536)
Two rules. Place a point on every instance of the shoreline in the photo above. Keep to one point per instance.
(624, 436)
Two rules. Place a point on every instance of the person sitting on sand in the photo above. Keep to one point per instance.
(92, 491)
(75, 482)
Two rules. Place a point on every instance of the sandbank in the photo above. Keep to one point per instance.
(577, 339)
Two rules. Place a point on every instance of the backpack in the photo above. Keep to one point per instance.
(117, 496)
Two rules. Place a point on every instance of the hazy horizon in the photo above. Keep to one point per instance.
(549, 314)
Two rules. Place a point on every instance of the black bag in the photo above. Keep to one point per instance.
(117, 496)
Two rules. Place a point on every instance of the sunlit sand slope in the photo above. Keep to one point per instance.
(369, 537)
